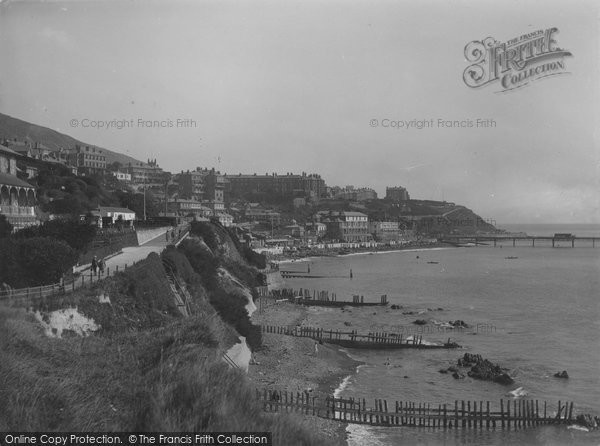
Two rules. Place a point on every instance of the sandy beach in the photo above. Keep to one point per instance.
(289, 363)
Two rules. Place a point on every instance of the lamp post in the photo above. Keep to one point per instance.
(144, 197)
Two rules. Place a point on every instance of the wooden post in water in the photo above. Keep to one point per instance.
(469, 413)
(455, 414)
(481, 415)
(387, 417)
(570, 417)
(502, 412)
(462, 411)
(487, 422)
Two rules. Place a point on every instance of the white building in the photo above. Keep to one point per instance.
(108, 216)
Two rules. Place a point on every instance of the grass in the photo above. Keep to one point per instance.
(165, 379)
(147, 369)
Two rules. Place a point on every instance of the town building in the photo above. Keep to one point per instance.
(122, 176)
(311, 186)
(296, 231)
(17, 197)
(265, 216)
(225, 219)
(147, 175)
(316, 228)
(385, 231)
(188, 208)
(108, 216)
(191, 184)
(353, 194)
(396, 194)
(347, 226)
(214, 191)
(87, 159)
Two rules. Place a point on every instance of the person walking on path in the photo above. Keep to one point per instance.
(316, 349)
(101, 266)
(94, 265)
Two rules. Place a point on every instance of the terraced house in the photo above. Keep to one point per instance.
(17, 197)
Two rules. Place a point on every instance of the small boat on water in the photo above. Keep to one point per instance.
(511, 257)
(433, 263)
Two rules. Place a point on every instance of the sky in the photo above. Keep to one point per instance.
(315, 86)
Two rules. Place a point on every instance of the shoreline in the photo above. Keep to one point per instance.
(290, 363)
(286, 259)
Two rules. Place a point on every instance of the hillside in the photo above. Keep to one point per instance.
(121, 357)
(22, 130)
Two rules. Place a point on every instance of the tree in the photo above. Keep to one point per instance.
(5, 227)
(76, 234)
(114, 167)
(34, 261)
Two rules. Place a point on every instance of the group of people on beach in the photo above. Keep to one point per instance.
(98, 266)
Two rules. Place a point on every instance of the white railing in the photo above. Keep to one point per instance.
(8, 209)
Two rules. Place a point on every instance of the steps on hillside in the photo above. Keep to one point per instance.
(182, 297)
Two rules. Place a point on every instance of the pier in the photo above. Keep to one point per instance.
(530, 240)
(509, 414)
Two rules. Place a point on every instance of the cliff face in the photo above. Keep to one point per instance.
(144, 366)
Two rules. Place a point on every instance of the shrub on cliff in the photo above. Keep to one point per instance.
(5, 227)
(34, 261)
(254, 258)
(232, 310)
(78, 235)
(202, 261)
(206, 231)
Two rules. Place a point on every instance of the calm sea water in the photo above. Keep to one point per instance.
(544, 306)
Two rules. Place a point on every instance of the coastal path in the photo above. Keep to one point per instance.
(515, 414)
(83, 275)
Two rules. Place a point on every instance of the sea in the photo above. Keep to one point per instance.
(540, 309)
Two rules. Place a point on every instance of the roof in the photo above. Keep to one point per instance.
(115, 209)
(7, 150)
(11, 180)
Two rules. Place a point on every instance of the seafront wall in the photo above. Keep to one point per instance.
(145, 235)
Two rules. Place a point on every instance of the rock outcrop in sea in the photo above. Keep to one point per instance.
(483, 369)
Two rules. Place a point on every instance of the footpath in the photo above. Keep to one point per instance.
(132, 254)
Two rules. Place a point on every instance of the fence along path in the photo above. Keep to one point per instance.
(15, 295)
(461, 414)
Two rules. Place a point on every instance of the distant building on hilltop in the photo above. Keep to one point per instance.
(87, 159)
(191, 184)
(206, 185)
(291, 185)
(396, 194)
(352, 194)
(147, 174)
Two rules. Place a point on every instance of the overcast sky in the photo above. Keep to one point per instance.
(292, 86)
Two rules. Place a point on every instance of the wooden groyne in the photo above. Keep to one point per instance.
(351, 339)
(320, 298)
(515, 414)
